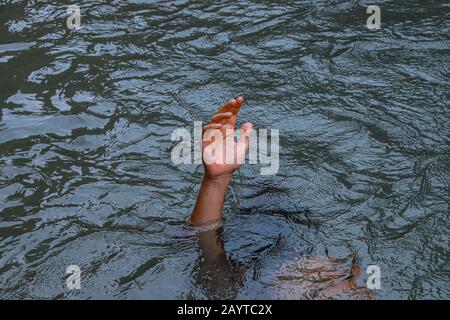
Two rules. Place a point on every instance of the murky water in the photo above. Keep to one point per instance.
(86, 119)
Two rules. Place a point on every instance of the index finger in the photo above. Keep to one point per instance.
(233, 106)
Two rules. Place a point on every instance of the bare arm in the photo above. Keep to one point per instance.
(210, 199)
(218, 140)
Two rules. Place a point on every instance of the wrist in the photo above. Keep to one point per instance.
(210, 200)
(219, 181)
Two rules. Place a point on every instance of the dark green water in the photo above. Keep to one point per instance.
(86, 119)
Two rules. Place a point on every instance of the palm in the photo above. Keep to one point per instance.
(222, 154)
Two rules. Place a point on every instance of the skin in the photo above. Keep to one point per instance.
(321, 276)
(216, 271)
(218, 174)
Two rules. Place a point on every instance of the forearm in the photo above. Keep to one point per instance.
(211, 245)
(210, 199)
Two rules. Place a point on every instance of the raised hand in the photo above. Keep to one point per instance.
(221, 154)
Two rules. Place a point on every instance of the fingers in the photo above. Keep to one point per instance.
(226, 130)
(221, 117)
(214, 141)
(247, 127)
(206, 133)
(224, 121)
(233, 106)
(240, 101)
(228, 107)
(212, 126)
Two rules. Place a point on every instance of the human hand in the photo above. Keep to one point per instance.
(222, 155)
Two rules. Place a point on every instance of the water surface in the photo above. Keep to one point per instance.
(86, 118)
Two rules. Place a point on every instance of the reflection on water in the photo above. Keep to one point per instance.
(319, 278)
(86, 177)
